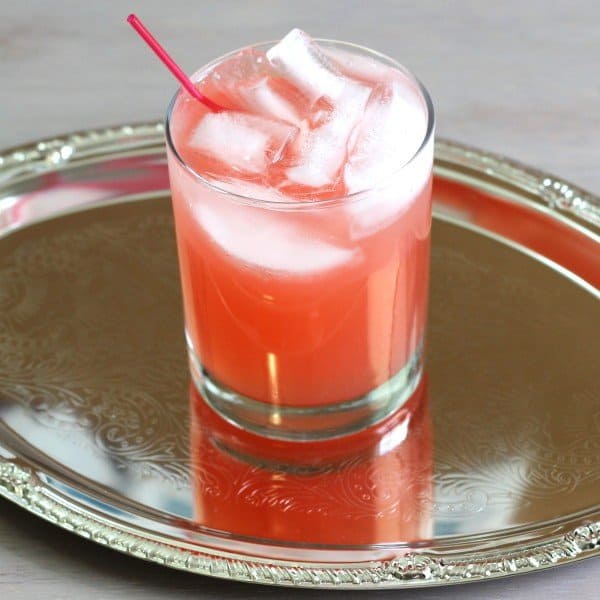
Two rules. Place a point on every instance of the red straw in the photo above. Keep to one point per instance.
(185, 81)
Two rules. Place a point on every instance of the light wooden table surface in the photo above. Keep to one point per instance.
(519, 77)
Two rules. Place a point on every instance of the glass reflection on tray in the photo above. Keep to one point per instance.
(372, 487)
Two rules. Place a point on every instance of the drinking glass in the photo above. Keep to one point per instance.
(305, 319)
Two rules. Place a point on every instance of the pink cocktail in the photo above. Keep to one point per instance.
(303, 214)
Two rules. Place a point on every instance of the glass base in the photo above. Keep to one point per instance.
(308, 423)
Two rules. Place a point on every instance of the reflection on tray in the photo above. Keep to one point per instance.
(368, 488)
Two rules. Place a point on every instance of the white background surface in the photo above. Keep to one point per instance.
(518, 77)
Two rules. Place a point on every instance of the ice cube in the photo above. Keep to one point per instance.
(315, 160)
(274, 97)
(382, 161)
(248, 82)
(362, 68)
(380, 206)
(239, 142)
(270, 239)
(303, 63)
(391, 131)
(323, 151)
(224, 82)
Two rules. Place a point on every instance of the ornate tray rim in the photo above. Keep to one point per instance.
(23, 485)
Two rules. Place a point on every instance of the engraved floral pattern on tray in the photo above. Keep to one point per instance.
(526, 444)
(73, 364)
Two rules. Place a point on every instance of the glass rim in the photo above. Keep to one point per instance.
(300, 204)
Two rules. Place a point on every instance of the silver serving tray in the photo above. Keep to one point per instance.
(498, 474)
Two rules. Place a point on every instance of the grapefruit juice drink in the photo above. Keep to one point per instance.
(303, 214)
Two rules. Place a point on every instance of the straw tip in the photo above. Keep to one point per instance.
(131, 18)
